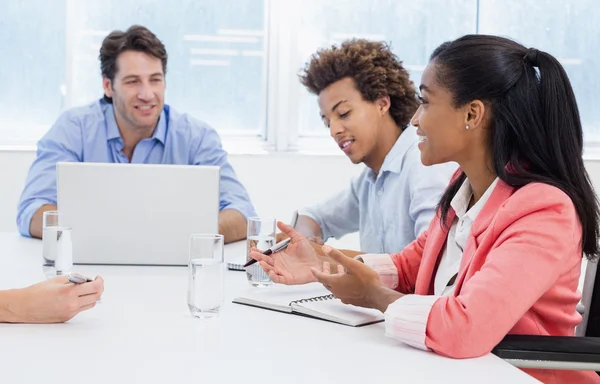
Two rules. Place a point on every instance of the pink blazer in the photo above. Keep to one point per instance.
(518, 275)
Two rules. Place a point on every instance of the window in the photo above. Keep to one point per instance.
(32, 72)
(234, 63)
(216, 55)
(566, 29)
(413, 28)
(216, 68)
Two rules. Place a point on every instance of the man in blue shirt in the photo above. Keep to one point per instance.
(366, 100)
(131, 124)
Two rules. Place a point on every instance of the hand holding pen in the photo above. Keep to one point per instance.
(274, 249)
(292, 264)
(280, 246)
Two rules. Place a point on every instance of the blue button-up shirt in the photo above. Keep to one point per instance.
(91, 134)
(389, 209)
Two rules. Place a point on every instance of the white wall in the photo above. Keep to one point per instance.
(302, 180)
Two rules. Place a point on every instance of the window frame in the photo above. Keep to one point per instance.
(279, 130)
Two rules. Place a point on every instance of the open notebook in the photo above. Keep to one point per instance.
(311, 300)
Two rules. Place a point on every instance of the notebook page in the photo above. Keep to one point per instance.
(336, 311)
(278, 296)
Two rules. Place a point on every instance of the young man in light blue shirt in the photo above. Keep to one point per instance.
(131, 124)
(367, 100)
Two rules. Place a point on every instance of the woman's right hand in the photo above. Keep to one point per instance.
(292, 265)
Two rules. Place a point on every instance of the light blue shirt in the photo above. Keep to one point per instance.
(91, 134)
(389, 209)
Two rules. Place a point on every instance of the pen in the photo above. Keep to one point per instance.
(279, 246)
(76, 278)
(274, 249)
(294, 219)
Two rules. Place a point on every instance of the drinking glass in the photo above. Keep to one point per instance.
(261, 235)
(57, 245)
(205, 275)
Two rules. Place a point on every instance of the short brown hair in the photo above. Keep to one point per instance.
(377, 72)
(136, 38)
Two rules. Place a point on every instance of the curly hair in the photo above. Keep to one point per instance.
(376, 70)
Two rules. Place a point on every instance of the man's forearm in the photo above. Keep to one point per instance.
(351, 253)
(324, 258)
(308, 227)
(36, 225)
(232, 225)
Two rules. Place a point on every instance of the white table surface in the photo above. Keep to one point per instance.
(142, 332)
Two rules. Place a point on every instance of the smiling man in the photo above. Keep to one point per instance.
(366, 100)
(131, 124)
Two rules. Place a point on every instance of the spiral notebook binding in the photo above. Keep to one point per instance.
(235, 266)
(313, 299)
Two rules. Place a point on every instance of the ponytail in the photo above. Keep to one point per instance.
(536, 133)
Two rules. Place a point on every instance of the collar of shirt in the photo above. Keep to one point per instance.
(457, 236)
(112, 129)
(393, 160)
(461, 200)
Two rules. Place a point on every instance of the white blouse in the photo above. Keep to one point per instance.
(406, 318)
(457, 236)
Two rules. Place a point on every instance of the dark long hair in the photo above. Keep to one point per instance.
(536, 133)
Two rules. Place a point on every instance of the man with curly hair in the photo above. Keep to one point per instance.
(366, 99)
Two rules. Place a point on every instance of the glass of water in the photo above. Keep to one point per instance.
(261, 235)
(57, 246)
(205, 275)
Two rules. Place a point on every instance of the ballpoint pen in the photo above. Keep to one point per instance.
(279, 246)
(76, 278)
(274, 249)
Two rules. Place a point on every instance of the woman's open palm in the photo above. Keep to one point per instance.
(292, 265)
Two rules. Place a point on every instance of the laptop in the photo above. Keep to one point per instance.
(136, 214)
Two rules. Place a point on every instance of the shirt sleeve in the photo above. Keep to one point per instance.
(233, 195)
(406, 319)
(384, 266)
(537, 242)
(63, 142)
(536, 249)
(338, 215)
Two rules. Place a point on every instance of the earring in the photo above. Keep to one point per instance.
(467, 127)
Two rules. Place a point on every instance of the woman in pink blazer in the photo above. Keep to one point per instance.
(503, 255)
